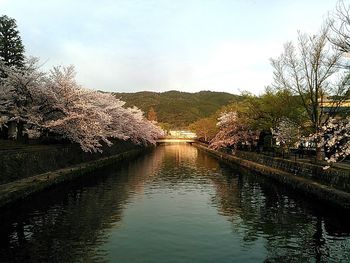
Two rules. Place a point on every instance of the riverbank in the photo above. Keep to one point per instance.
(331, 186)
(16, 190)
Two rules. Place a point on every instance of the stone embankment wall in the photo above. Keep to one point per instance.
(35, 168)
(331, 186)
(337, 178)
(20, 189)
(22, 162)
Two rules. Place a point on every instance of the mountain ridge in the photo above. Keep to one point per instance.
(177, 108)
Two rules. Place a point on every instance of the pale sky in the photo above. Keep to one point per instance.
(160, 45)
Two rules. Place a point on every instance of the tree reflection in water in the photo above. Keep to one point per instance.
(73, 222)
(294, 229)
(68, 223)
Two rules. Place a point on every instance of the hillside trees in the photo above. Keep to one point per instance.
(177, 110)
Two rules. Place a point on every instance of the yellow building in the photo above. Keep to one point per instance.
(333, 107)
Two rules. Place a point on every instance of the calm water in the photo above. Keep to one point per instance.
(175, 204)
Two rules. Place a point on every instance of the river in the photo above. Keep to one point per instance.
(174, 204)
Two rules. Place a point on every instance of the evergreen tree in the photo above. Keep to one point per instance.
(11, 47)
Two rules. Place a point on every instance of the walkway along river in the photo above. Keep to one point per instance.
(175, 204)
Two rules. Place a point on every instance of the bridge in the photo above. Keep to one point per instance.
(174, 140)
(178, 136)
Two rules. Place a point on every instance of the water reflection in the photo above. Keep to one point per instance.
(62, 226)
(294, 230)
(175, 204)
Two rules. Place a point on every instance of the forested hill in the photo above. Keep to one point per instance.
(176, 108)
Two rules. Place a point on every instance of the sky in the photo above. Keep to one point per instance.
(160, 45)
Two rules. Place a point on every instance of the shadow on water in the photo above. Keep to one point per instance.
(175, 204)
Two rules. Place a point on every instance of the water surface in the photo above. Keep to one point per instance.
(175, 204)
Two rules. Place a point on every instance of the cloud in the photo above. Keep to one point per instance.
(160, 45)
(234, 66)
(97, 67)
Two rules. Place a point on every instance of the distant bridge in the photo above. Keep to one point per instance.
(174, 140)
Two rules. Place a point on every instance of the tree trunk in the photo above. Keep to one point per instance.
(12, 130)
(319, 154)
(20, 130)
(4, 132)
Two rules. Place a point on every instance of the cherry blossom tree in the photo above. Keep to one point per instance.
(130, 123)
(287, 133)
(53, 103)
(335, 138)
(232, 130)
(21, 91)
(90, 117)
(72, 112)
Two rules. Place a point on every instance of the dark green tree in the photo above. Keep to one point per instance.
(11, 47)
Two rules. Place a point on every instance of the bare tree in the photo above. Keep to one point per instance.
(310, 69)
(339, 22)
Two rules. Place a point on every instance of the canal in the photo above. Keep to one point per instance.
(175, 204)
